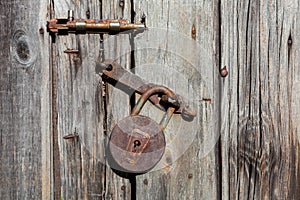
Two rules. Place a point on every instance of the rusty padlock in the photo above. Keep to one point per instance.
(137, 143)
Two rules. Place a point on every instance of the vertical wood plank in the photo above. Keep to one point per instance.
(168, 55)
(80, 108)
(118, 104)
(77, 82)
(25, 103)
(260, 140)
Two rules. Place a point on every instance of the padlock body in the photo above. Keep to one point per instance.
(136, 144)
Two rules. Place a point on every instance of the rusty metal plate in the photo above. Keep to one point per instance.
(136, 144)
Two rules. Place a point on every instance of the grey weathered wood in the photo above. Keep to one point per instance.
(168, 55)
(80, 108)
(118, 104)
(255, 108)
(25, 102)
(260, 99)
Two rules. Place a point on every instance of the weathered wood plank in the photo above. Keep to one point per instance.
(25, 103)
(80, 108)
(117, 101)
(260, 141)
(168, 55)
(72, 79)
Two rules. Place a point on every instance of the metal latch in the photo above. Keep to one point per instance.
(114, 73)
(137, 142)
(69, 25)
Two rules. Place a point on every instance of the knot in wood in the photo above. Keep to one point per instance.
(250, 142)
(24, 51)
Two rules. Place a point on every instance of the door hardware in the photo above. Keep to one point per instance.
(137, 142)
(115, 73)
(70, 25)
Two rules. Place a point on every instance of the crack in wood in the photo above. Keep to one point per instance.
(55, 147)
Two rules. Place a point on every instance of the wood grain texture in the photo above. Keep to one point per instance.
(260, 101)
(79, 108)
(46, 94)
(25, 103)
(168, 55)
(117, 101)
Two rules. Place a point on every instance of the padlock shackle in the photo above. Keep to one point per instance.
(154, 90)
(165, 120)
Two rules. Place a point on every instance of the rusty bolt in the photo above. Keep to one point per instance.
(41, 30)
(145, 181)
(224, 72)
(190, 176)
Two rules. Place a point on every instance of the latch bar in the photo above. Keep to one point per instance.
(70, 25)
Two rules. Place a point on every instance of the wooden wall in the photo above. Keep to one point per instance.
(243, 144)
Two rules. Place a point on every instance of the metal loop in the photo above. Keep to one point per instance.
(154, 90)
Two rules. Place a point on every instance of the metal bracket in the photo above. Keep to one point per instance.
(115, 73)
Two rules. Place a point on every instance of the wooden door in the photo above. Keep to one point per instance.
(243, 144)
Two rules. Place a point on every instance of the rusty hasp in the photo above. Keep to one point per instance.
(120, 77)
(69, 25)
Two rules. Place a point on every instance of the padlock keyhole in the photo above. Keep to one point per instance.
(136, 143)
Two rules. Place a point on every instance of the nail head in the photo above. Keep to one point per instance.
(224, 72)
